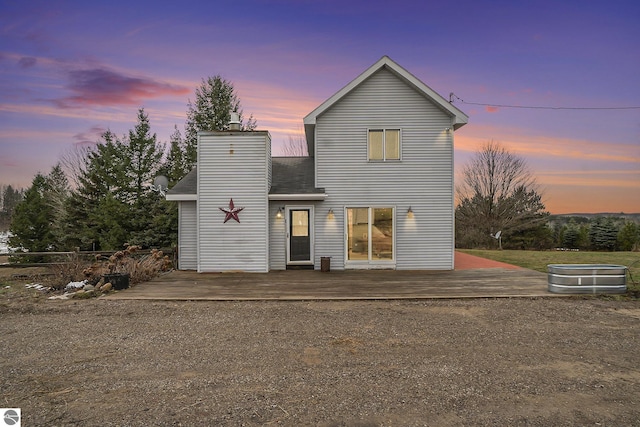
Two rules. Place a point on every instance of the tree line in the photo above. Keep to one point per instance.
(9, 199)
(100, 197)
(601, 233)
(500, 206)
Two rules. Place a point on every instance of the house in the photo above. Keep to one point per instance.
(376, 191)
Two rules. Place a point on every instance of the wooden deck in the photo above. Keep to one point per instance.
(341, 285)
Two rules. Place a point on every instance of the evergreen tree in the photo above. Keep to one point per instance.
(152, 219)
(112, 223)
(142, 159)
(87, 214)
(105, 169)
(57, 192)
(32, 219)
(603, 234)
(9, 199)
(154, 222)
(215, 100)
(114, 203)
(558, 234)
(629, 236)
(175, 166)
(583, 236)
(571, 236)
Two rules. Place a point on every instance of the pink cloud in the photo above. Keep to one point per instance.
(598, 176)
(100, 87)
(90, 136)
(491, 109)
(276, 108)
(8, 163)
(541, 146)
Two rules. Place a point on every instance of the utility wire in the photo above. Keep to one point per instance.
(453, 95)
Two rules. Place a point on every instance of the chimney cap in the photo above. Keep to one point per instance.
(234, 121)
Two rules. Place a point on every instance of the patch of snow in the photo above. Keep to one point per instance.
(4, 242)
(64, 296)
(75, 285)
(37, 287)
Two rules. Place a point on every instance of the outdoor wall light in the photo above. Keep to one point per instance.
(330, 215)
(410, 212)
(279, 214)
(447, 129)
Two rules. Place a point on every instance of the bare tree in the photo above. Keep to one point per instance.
(498, 192)
(296, 146)
(494, 173)
(74, 162)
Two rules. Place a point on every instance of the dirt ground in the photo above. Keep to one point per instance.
(493, 362)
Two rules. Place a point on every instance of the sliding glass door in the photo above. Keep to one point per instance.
(370, 234)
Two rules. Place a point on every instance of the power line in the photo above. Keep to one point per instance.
(538, 107)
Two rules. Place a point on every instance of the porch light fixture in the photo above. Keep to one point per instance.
(410, 213)
(279, 214)
(330, 215)
(447, 129)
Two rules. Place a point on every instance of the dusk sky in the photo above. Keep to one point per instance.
(69, 70)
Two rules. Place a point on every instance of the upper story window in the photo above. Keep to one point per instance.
(384, 144)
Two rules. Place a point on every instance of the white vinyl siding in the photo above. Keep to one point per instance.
(187, 236)
(422, 180)
(233, 165)
(277, 238)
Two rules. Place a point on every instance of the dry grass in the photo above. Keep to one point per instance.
(538, 260)
(139, 268)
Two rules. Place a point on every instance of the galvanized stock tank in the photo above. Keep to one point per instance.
(587, 278)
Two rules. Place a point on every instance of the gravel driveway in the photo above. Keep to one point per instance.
(497, 362)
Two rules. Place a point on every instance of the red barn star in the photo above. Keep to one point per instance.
(231, 212)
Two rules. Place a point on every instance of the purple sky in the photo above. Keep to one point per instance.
(71, 69)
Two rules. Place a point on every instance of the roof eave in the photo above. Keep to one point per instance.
(181, 197)
(460, 118)
(299, 196)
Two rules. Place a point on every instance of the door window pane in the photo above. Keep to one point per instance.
(382, 233)
(300, 223)
(358, 233)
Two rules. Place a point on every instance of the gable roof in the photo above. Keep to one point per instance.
(460, 118)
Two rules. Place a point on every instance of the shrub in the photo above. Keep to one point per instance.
(139, 267)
